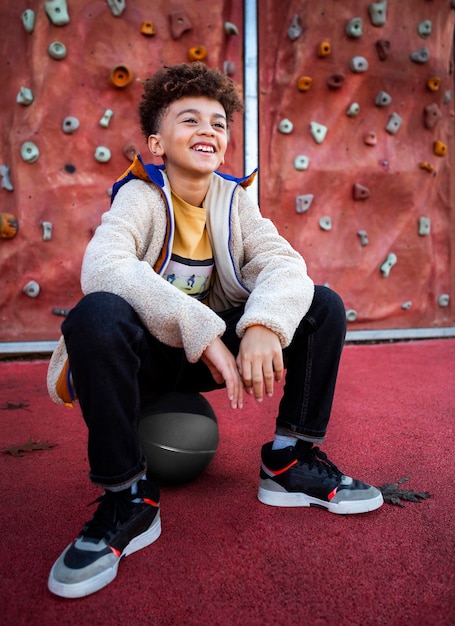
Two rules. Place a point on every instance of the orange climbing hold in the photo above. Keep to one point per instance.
(324, 49)
(304, 83)
(439, 148)
(198, 53)
(121, 76)
(8, 225)
(148, 28)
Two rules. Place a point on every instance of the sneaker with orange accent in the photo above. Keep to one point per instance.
(123, 523)
(298, 476)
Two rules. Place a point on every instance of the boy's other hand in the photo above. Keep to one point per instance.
(260, 361)
(223, 368)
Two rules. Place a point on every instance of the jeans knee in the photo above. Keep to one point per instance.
(332, 304)
(95, 318)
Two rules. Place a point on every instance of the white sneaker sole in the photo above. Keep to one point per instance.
(95, 583)
(288, 499)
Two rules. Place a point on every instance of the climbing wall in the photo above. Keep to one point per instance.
(356, 141)
(356, 153)
(71, 81)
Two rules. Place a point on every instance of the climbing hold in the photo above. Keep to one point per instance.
(360, 192)
(106, 119)
(47, 230)
(180, 23)
(424, 226)
(383, 99)
(363, 237)
(102, 154)
(432, 115)
(301, 162)
(444, 300)
(318, 131)
(121, 76)
(447, 97)
(324, 49)
(424, 165)
(424, 28)
(116, 6)
(148, 28)
(198, 53)
(378, 12)
(304, 83)
(353, 109)
(285, 126)
(6, 181)
(303, 203)
(388, 264)
(294, 30)
(406, 305)
(335, 81)
(8, 225)
(59, 311)
(28, 20)
(230, 28)
(358, 65)
(57, 50)
(29, 152)
(370, 139)
(439, 148)
(354, 28)
(229, 68)
(31, 289)
(351, 315)
(130, 150)
(433, 83)
(394, 124)
(57, 12)
(383, 49)
(422, 55)
(325, 223)
(70, 124)
(25, 96)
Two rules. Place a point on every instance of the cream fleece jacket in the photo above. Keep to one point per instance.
(130, 250)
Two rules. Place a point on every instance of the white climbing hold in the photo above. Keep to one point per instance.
(102, 154)
(318, 131)
(57, 12)
(301, 162)
(388, 264)
(303, 203)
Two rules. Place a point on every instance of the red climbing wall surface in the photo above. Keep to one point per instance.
(397, 192)
(66, 185)
(380, 190)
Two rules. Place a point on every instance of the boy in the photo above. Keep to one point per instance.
(188, 288)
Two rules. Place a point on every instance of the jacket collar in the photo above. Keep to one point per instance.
(154, 174)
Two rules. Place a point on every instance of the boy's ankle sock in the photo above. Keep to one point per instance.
(283, 441)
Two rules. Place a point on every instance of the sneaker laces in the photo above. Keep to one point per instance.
(316, 458)
(114, 508)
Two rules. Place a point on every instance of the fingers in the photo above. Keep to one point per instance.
(260, 362)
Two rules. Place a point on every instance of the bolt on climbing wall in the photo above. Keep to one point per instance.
(356, 152)
(71, 81)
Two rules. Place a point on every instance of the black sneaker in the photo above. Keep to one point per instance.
(122, 524)
(301, 477)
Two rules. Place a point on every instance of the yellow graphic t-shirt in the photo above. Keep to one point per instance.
(191, 265)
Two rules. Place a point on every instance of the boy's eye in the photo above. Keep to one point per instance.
(220, 125)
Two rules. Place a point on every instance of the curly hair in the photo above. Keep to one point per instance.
(179, 81)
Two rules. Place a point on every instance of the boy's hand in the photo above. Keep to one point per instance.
(223, 368)
(260, 361)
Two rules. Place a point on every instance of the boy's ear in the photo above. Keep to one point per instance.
(155, 146)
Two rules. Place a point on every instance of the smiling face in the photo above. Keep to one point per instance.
(192, 138)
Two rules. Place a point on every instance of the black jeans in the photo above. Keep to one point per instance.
(118, 366)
